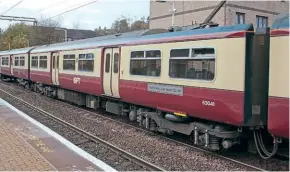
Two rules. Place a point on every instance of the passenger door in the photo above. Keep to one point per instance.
(55, 68)
(111, 72)
(11, 64)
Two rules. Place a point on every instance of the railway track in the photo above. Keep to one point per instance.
(144, 165)
(250, 167)
(128, 155)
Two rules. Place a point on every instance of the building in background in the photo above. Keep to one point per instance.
(260, 13)
(48, 35)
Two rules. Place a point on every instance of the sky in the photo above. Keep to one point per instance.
(101, 13)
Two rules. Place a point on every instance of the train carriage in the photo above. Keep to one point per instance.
(210, 84)
(15, 64)
(80, 71)
(278, 115)
(20, 66)
(193, 76)
(40, 68)
(5, 64)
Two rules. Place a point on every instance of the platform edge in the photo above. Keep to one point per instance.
(64, 141)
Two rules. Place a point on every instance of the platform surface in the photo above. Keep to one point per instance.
(27, 145)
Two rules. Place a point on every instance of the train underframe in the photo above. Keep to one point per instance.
(208, 134)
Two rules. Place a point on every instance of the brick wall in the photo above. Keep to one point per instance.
(189, 12)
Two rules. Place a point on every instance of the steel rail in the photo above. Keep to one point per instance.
(117, 150)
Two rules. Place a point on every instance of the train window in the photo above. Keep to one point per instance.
(199, 65)
(179, 53)
(202, 52)
(137, 54)
(22, 61)
(69, 62)
(154, 53)
(57, 61)
(43, 62)
(16, 61)
(69, 57)
(5, 61)
(86, 62)
(82, 56)
(90, 56)
(148, 66)
(116, 62)
(53, 62)
(34, 62)
(107, 67)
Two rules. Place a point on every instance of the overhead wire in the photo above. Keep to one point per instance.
(75, 8)
(52, 5)
(11, 8)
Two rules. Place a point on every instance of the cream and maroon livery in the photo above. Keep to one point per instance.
(278, 113)
(81, 81)
(20, 69)
(226, 90)
(216, 113)
(9, 68)
(6, 65)
(39, 73)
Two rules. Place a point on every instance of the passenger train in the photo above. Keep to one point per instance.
(218, 85)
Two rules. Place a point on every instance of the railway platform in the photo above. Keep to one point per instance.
(27, 145)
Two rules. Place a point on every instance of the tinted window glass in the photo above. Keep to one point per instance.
(107, 67)
(116, 62)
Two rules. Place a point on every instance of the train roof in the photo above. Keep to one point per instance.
(95, 42)
(126, 34)
(16, 51)
(127, 38)
(281, 21)
(106, 37)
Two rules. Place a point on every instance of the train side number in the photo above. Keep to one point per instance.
(208, 103)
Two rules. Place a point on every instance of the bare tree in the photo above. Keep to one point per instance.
(125, 24)
(76, 25)
(141, 24)
(49, 22)
(44, 32)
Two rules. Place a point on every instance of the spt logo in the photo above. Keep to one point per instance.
(76, 80)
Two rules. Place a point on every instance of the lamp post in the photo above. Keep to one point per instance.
(172, 10)
(65, 33)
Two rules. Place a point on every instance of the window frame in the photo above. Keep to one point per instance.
(144, 58)
(85, 59)
(8, 61)
(258, 18)
(39, 59)
(63, 59)
(34, 67)
(239, 14)
(190, 57)
(18, 60)
(21, 58)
